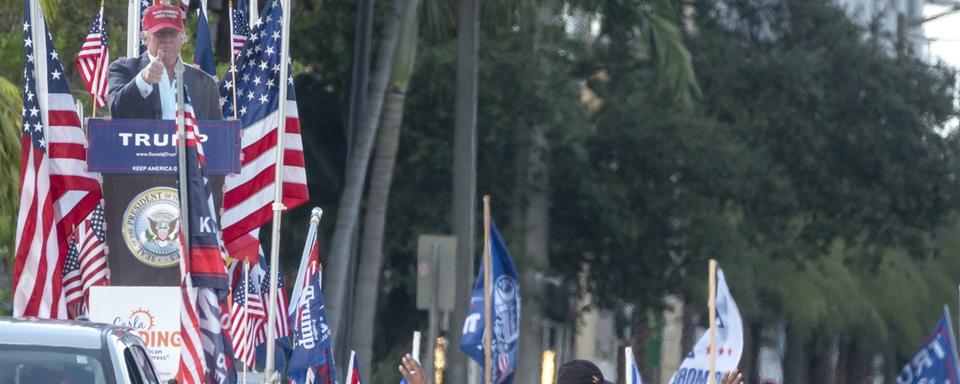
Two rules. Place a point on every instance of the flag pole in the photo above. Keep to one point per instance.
(133, 28)
(487, 297)
(252, 13)
(182, 162)
(278, 186)
(97, 74)
(712, 303)
(627, 373)
(233, 64)
(953, 339)
(353, 355)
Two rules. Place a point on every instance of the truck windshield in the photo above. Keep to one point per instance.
(55, 365)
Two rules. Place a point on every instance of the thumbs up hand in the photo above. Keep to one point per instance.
(154, 71)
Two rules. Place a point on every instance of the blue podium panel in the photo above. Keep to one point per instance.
(135, 146)
(138, 160)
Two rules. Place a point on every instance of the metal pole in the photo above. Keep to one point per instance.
(252, 8)
(487, 294)
(432, 330)
(182, 162)
(278, 191)
(133, 28)
(712, 303)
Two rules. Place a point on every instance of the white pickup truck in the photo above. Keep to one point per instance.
(71, 352)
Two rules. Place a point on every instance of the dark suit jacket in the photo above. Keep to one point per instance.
(126, 101)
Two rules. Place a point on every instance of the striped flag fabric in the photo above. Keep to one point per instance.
(204, 280)
(93, 60)
(239, 27)
(56, 191)
(86, 264)
(247, 317)
(353, 375)
(144, 4)
(632, 374)
(248, 196)
(282, 327)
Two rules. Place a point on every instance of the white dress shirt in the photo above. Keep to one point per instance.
(168, 92)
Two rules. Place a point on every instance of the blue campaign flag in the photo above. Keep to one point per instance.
(936, 361)
(203, 48)
(312, 358)
(506, 314)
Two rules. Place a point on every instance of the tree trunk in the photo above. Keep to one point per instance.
(371, 254)
(348, 211)
(464, 175)
(367, 287)
(795, 361)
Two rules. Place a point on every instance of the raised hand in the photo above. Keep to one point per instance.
(411, 370)
(154, 71)
(734, 377)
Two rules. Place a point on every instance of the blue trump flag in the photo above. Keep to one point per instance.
(936, 361)
(312, 357)
(203, 49)
(505, 309)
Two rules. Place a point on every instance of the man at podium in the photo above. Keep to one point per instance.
(141, 202)
(144, 88)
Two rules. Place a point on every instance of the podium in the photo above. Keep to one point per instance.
(138, 162)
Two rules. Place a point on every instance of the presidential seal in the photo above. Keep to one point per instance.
(151, 227)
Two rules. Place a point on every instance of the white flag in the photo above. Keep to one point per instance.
(696, 366)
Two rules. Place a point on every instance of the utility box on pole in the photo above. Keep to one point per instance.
(436, 272)
(436, 288)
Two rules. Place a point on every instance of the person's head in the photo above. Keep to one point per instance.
(163, 31)
(580, 372)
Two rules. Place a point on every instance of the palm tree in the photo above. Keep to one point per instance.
(10, 108)
(348, 212)
(388, 139)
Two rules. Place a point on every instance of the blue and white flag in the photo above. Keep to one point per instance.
(695, 368)
(632, 371)
(506, 314)
(936, 361)
(312, 357)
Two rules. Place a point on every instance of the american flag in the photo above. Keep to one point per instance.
(144, 4)
(353, 375)
(56, 191)
(281, 328)
(86, 264)
(247, 318)
(248, 196)
(94, 59)
(239, 27)
(203, 275)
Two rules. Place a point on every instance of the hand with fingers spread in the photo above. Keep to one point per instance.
(734, 377)
(411, 370)
(154, 71)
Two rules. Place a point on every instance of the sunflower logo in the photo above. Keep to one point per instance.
(141, 319)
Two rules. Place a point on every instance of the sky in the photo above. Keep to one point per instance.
(943, 35)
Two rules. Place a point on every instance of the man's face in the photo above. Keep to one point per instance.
(168, 39)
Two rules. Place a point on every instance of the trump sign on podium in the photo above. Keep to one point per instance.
(729, 342)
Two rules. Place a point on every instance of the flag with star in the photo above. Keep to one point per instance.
(729, 341)
(86, 264)
(56, 191)
(248, 196)
(239, 27)
(93, 61)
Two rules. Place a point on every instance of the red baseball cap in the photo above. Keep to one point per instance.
(162, 16)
